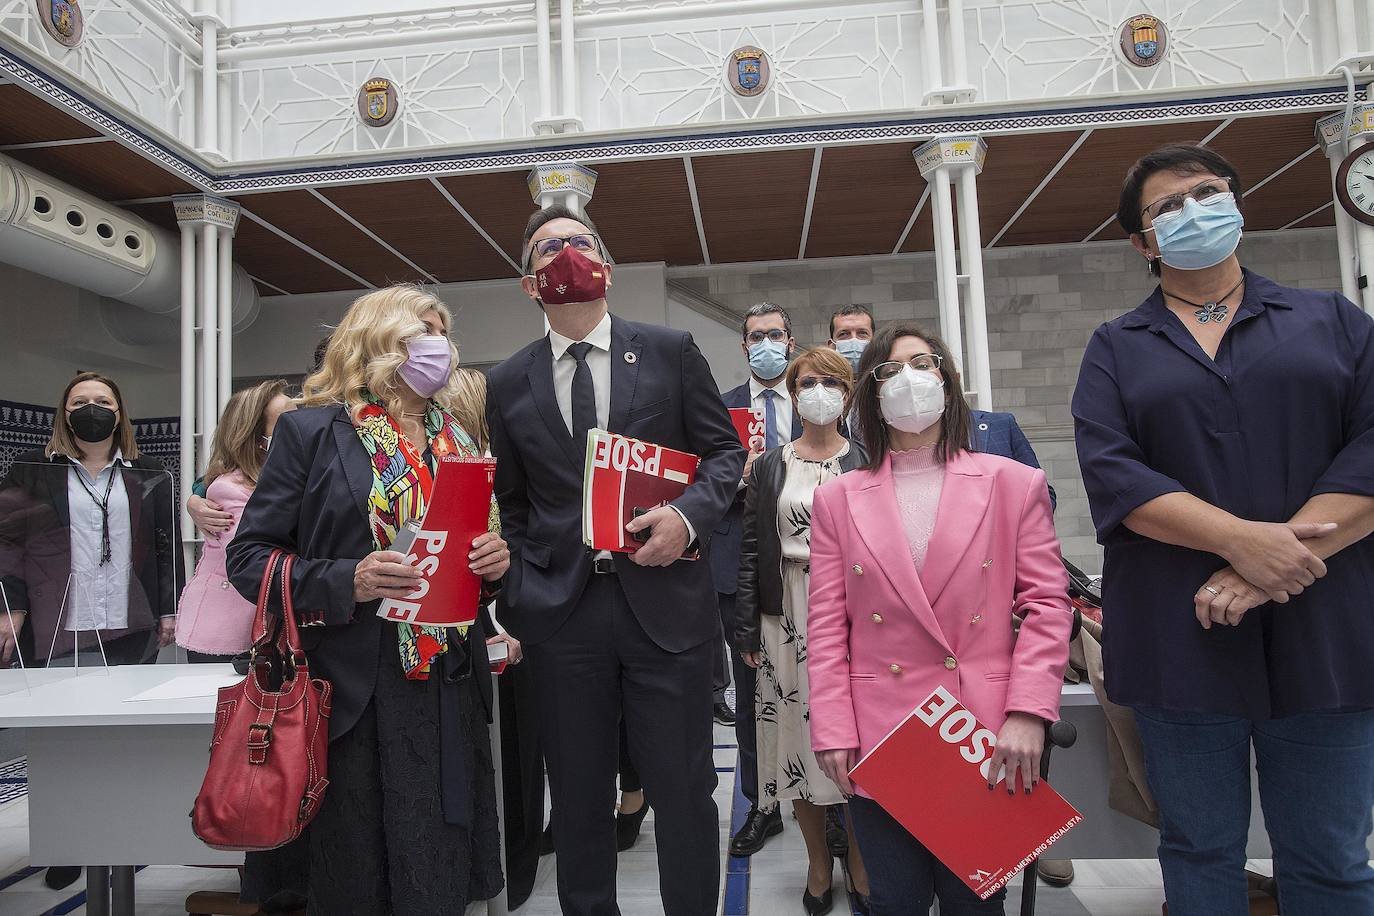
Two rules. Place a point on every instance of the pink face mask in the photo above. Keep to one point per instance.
(428, 365)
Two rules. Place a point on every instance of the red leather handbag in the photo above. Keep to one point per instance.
(268, 757)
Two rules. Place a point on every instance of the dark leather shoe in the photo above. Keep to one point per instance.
(1056, 872)
(758, 827)
(815, 906)
(60, 876)
(723, 714)
(627, 828)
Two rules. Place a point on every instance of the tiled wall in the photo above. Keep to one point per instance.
(1043, 304)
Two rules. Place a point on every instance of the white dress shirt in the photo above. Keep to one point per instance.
(98, 595)
(599, 362)
(782, 404)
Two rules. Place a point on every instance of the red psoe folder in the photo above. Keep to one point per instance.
(751, 425)
(623, 475)
(459, 511)
(930, 774)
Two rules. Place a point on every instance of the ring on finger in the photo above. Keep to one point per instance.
(1215, 592)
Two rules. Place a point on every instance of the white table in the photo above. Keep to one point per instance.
(112, 782)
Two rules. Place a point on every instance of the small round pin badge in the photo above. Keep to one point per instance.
(631, 358)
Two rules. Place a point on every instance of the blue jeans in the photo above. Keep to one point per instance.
(1316, 783)
(903, 876)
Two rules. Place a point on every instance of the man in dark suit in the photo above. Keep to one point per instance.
(768, 344)
(612, 635)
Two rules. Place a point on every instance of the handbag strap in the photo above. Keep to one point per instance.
(287, 637)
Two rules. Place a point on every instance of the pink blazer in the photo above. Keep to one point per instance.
(875, 640)
(213, 618)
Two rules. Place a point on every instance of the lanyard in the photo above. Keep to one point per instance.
(103, 503)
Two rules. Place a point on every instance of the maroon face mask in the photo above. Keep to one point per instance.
(570, 277)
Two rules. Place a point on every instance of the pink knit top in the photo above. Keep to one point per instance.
(918, 478)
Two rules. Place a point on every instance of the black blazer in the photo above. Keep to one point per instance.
(725, 556)
(760, 562)
(311, 500)
(35, 548)
(663, 393)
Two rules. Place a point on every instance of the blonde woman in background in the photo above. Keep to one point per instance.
(213, 621)
(409, 822)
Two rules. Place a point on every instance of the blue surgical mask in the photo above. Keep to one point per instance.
(768, 359)
(852, 350)
(1201, 235)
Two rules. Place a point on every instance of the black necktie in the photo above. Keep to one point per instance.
(583, 395)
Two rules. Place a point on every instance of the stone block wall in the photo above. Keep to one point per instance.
(1043, 304)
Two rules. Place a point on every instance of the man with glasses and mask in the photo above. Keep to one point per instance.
(612, 635)
(768, 346)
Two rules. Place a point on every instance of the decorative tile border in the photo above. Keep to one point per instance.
(916, 129)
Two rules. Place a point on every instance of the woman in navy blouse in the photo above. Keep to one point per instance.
(1225, 428)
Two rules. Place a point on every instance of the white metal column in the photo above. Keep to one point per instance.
(568, 50)
(1345, 235)
(209, 343)
(543, 43)
(930, 33)
(188, 385)
(971, 262)
(225, 275)
(946, 271)
(209, 84)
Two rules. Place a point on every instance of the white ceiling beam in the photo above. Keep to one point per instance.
(306, 248)
(1044, 182)
(1306, 216)
(48, 144)
(476, 225)
(810, 202)
(915, 213)
(696, 208)
(1212, 135)
(268, 285)
(372, 235)
(1279, 171)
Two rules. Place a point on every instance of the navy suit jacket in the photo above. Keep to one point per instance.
(725, 555)
(999, 434)
(664, 395)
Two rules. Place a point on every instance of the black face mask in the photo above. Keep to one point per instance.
(92, 423)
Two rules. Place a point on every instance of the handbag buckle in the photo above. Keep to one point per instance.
(259, 740)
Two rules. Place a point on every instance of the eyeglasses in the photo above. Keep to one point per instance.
(921, 362)
(547, 248)
(1208, 191)
(777, 335)
(811, 381)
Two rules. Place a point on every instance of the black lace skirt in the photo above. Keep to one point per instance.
(380, 844)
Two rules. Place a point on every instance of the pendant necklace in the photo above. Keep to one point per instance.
(1209, 311)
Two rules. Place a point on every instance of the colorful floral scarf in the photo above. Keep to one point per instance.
(402, 481)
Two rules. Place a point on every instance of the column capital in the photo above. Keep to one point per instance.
(562, 178)
(1329, 133)
(201, 209)
(951, 151)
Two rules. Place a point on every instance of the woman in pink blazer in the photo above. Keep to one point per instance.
(918, 562)
(213, 621)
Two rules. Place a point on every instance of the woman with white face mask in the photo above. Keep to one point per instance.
(918, 561)
(771, 606)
